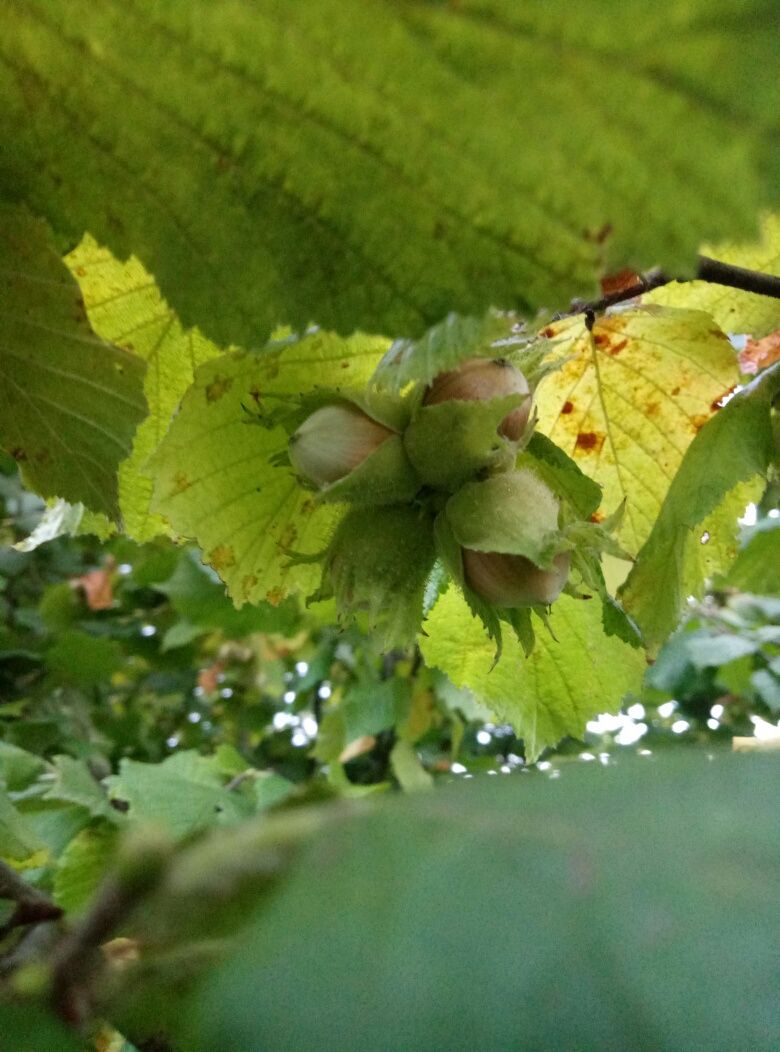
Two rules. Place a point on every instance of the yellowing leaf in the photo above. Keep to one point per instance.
(734, 311)
(629, 400)
(554, 692)
(213, 476)
(124, 306)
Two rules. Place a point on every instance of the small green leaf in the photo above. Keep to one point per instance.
(411, 775)
(82, 659)
(768, 686)
(82, 866)
(74, 784)
(183, 794)
(757, 566)
(710, 651)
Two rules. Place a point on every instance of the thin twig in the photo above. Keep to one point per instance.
(32, 906)
(714, 271)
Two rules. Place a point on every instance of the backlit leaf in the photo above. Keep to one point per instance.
(124, 306)
(735, 446)
(69, 401)
(562, 684)
(629, 400)
(376, 165)
(214, 479)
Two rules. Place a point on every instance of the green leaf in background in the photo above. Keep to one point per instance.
(69, 402)
(625, 908)
(74, 783)
(552, 693)
(82, 866)
(79, 658)
(31, 1028)
(731, 448)
(377, 165)
(183, 794)
(733, 310)
(757, 566)
(214, 479)
(18, 841)
(124, 306)
(629, 399)
(196, 593)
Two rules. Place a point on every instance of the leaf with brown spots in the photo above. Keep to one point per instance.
(629, 398)
(245, 512)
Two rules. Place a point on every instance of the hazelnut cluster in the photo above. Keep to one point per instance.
(436, 474)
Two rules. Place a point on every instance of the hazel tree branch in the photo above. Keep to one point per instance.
(32, 906)
(714, 271)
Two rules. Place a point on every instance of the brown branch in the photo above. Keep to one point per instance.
(77, 959)
(32, 906)
(713, 271)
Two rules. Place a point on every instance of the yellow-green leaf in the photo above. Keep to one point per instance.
(630, 398)
(213, 477)
(554, 692)
(124, 306)
(734, 311)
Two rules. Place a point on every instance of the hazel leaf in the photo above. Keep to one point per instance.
(69, 401)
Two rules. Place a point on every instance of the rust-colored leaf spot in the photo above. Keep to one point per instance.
(616, 348)
(675, 391)
(18, 453)
(601, 339)
(97, 588)
(248, 584)
(549, 332)
(567, 407)
(222, 557)
(758, 354)
(276, 595)
(698, 422)
(180, 482)
(590, 440)
(620, 282)
(597, 516)
(307, 507)
(652, 409)
(218, 387)
(720, 401)
(345, 364)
